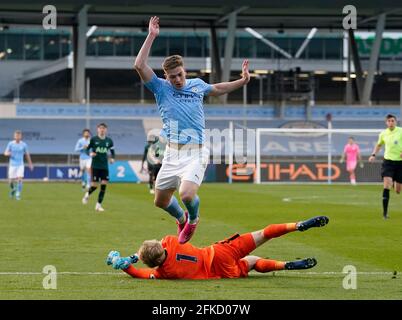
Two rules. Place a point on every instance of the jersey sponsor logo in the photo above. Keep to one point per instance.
(188, 97)
(101, 150)
(184, 95)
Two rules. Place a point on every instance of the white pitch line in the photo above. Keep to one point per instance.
(335, 273)
(277, 272)
(58, 273)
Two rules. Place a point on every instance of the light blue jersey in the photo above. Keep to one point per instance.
(18, 151)
(79, 147)
(182, 110)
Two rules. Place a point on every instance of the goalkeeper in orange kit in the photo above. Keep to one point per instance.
(230, 258)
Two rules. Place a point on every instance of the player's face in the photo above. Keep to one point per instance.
(17, 136)
(176, 76)
(351, 141)
(102, 131)
(86, 135)
(391, 123)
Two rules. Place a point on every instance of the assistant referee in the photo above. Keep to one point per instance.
(391, 170)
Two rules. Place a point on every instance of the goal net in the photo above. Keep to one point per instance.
(313, 155)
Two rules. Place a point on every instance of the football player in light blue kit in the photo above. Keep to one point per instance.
(16, 150)
(85, 159)
(180, 103)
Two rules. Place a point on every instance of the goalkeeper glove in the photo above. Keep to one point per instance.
(112, 256)
(134, 258)
(124, 262)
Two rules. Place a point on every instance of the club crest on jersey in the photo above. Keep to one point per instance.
(194, 89)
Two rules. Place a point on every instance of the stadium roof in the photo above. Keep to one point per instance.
(276, 14)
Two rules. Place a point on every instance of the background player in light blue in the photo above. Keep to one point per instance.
(85, 158)
(180, 104)
(16, 150)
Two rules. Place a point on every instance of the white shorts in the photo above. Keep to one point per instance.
(186, 164)
(15, 172)
(85, 164)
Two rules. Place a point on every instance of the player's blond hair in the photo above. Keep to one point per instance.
(172, 62)
(151, 253)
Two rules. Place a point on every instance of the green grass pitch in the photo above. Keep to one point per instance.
(50, 226)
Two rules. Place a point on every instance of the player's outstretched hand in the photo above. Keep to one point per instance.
(154, 26)
(111, 161)
(245, 72)
(371, 159)
(92, 154)
(112, 256)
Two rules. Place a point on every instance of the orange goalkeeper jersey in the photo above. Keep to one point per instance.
(184, 261)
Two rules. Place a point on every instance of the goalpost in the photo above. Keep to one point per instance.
(298, 149)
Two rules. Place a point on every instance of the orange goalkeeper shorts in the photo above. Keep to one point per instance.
(227, 261)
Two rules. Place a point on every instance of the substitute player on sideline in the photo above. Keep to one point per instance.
(180, 103)
(226, 259)
(351, 152)
(391, 170)
(98, 149)
(85, 159)
(16, 150)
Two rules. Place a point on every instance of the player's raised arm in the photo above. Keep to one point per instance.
(222, 88)
(141, 61)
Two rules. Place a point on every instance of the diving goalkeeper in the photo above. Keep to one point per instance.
(167, 259)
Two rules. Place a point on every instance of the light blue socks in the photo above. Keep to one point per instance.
(192, 208)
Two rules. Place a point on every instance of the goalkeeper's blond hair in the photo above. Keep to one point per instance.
(151, 253)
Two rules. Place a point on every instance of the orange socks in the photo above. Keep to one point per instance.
(266, 265)
(277, 230)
